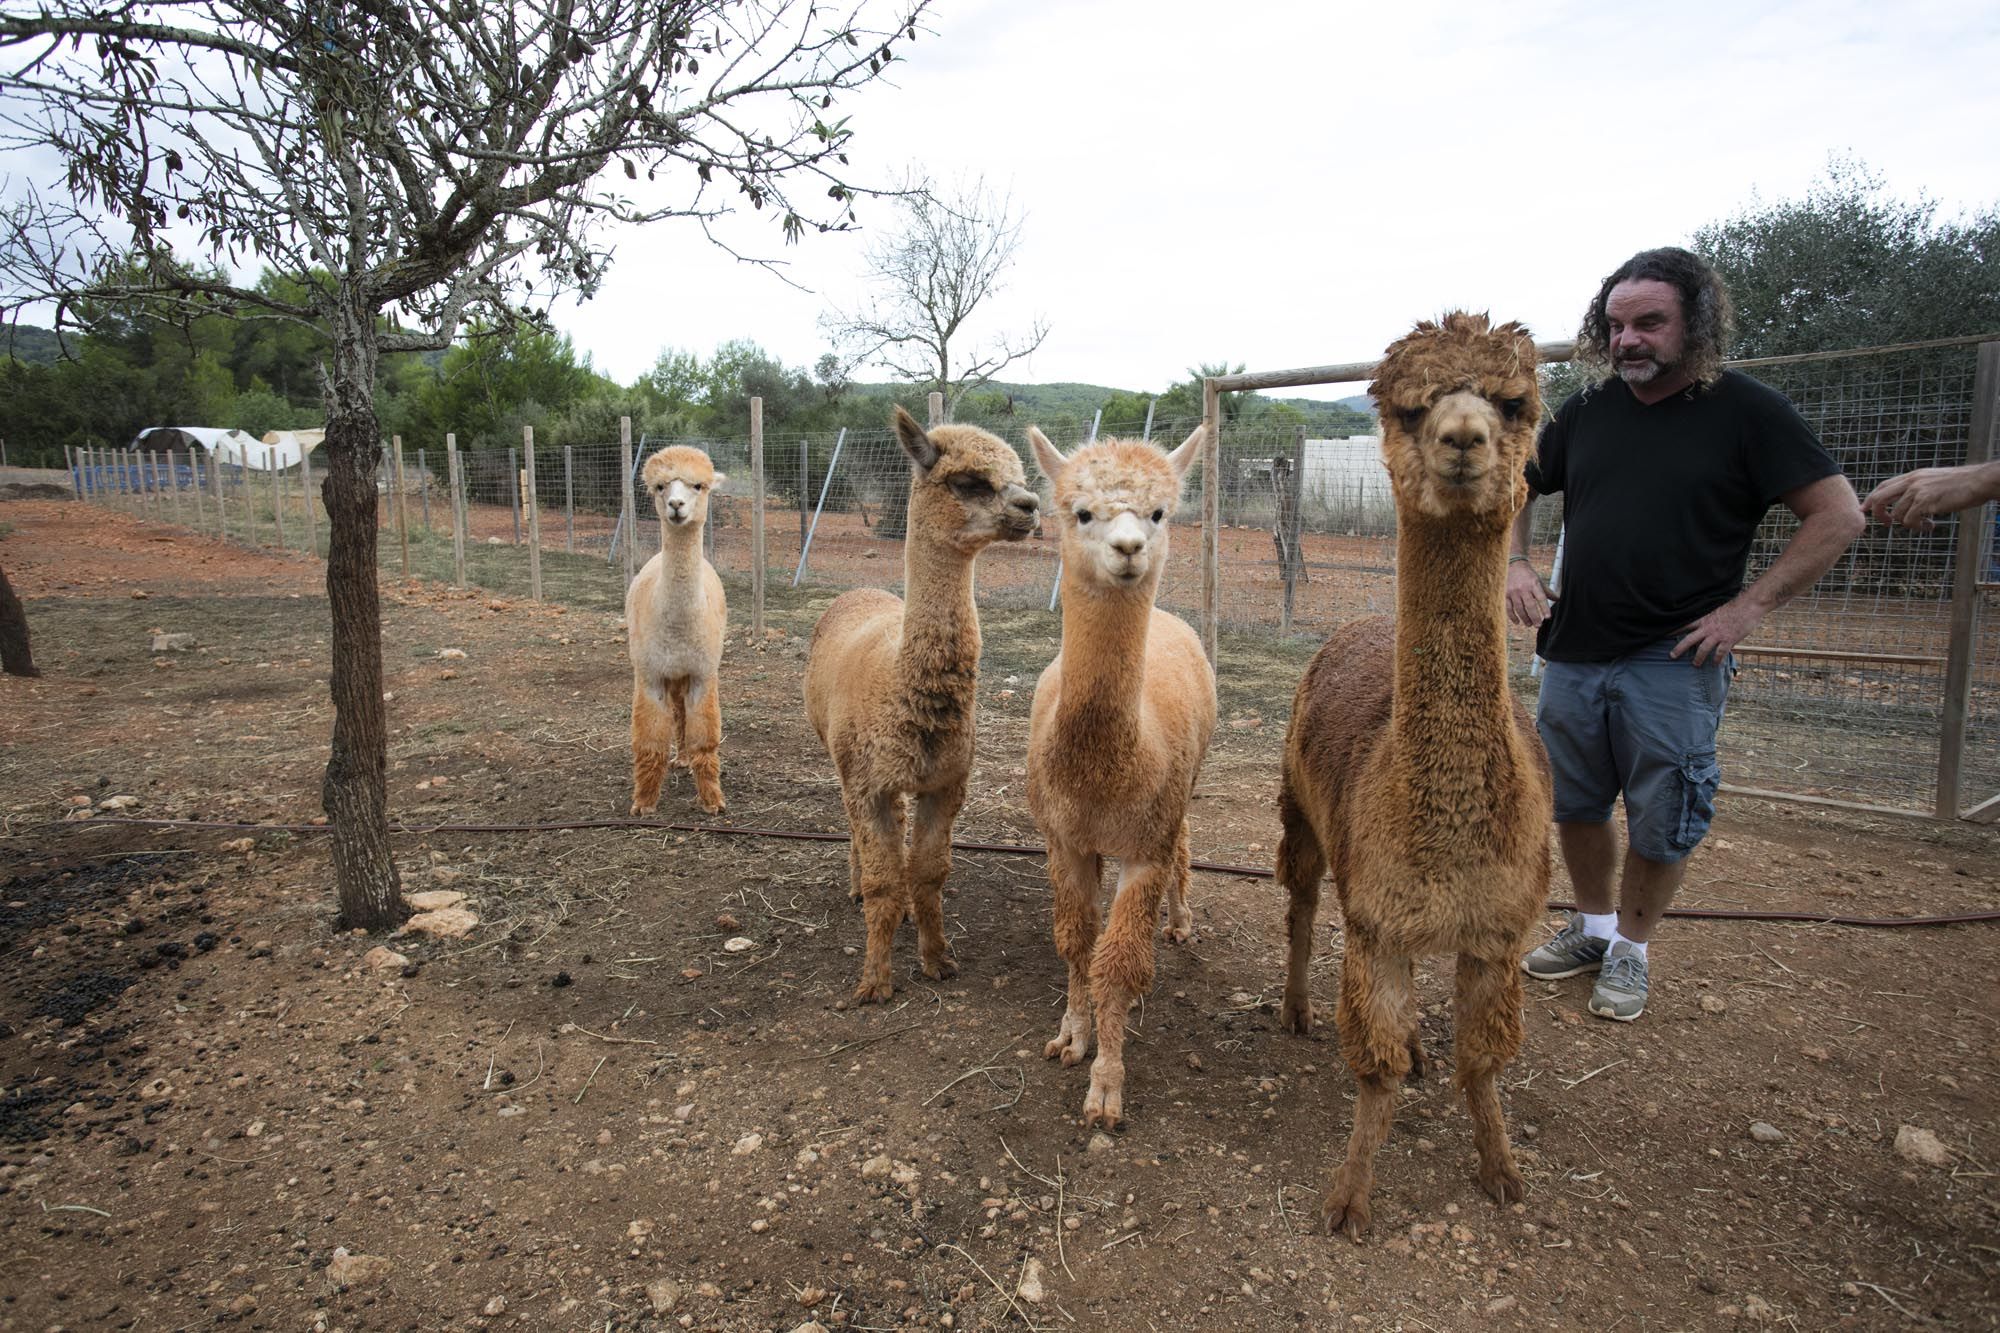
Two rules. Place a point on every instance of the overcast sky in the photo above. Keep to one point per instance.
(1289, 184)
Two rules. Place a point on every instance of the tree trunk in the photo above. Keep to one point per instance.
(355, 794)
(15, 659)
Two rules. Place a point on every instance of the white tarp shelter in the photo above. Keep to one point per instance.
(282, 449)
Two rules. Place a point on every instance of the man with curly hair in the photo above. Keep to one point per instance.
(1666, 468)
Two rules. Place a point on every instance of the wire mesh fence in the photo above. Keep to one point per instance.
(1844, 694)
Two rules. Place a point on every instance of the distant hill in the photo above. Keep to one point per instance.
(1079, 401)
(34, 346)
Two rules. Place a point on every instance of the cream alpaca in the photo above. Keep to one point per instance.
(675, 615)
(1410, 769)
(889, 687)
(1121, 721)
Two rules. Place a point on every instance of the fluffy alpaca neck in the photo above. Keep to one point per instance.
(1452, 720)
(1103, 649)
(939, 653)
(680, 561)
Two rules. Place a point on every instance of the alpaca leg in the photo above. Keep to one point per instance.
(1487, 1010)
(649, 748)
(1074, 879)
(1121, 970)
(1301, 867)
(1377, 1017)
(702, 742)
(677, 724)
(877, 831)
(1180, 921)
(930, 863)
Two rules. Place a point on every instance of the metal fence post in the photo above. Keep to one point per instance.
(277, 495)
(215, 488)
(402, 505)
(514, 489)
(306, 495)
(424, 490)
(1211, 516)
(805, 547)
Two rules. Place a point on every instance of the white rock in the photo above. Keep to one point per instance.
(748, 1144)
(453, 654)
(172, 643)
(357, 1270)
(118, 803)
(1031, 1289)
(434, 900)
(1921, 1146)
(876, 1166)
(664, 1293)
(1764, 1132)
(495, 1307)
(447, 923)
(1100, 1143)
(738, 944)
(383, 959)
(1714, 1004)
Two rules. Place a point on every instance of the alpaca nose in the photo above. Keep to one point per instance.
(1464, 437)
(1024, 503)
(1128, 544)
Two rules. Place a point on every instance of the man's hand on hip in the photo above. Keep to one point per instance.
(1717, 633)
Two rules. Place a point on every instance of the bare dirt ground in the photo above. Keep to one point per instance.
(593, 1112)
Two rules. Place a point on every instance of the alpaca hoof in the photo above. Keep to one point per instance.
(1175, 932)
(714, 807)
(1503, 1183)
(1345, 1208)
(1418, 1064)
(874, 992)
(1103, 1108)
(1070, 1046)
(942, 970)
(1296, 1015)
(641, 809)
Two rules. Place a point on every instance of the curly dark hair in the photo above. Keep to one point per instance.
(1705, 307)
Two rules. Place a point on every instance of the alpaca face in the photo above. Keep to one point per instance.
(969, 488)
(680, 480)
(1459, 408)
(1113, 500)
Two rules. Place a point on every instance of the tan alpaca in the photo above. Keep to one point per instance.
(675, 615)
(1121, 721)
(889, 687)
(1410, 769)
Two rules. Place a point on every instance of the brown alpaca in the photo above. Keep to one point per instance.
(675, 615)
(1121, 721)
(1410, 770)
(889, 687)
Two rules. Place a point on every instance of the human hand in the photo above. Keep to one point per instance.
(1910, 500)
(1716, 634)
(1527, 597)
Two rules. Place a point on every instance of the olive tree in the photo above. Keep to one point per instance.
(404, 167)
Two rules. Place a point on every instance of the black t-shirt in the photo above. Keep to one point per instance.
(1660, 504)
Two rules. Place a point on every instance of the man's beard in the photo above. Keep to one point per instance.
(1642, 370)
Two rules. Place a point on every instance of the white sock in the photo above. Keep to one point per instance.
(1599, 927)
(1637, 946)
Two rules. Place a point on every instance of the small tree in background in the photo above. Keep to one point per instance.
(420, 163)
(929, 276)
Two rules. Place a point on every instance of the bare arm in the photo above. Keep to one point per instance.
(1912, 499)
(1527, 597)
(1829, 518)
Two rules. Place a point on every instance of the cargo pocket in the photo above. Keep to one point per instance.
(1699, 776)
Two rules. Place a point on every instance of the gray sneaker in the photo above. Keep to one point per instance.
(1620, 993)
(1569, 953)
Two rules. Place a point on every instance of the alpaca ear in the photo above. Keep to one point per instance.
(915, 443)
(1181, 459)
(715, 483)
(1047, 457)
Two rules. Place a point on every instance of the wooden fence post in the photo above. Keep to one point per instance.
(454, 477)
(215, 487)
(757, 521)
(934, 403)
(534, 509)
(1974, 531)
(306, 493)
(630, 509)
(277, 496)
(402, 505)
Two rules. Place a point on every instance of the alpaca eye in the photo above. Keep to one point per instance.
(1511, 408)
(1412, 417)
(1083, 516)
(700, 485)
(1159, 514)
(971, 487)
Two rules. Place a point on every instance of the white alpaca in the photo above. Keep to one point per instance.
(675, 615)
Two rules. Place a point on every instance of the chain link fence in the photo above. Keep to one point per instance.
(1847, 694)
